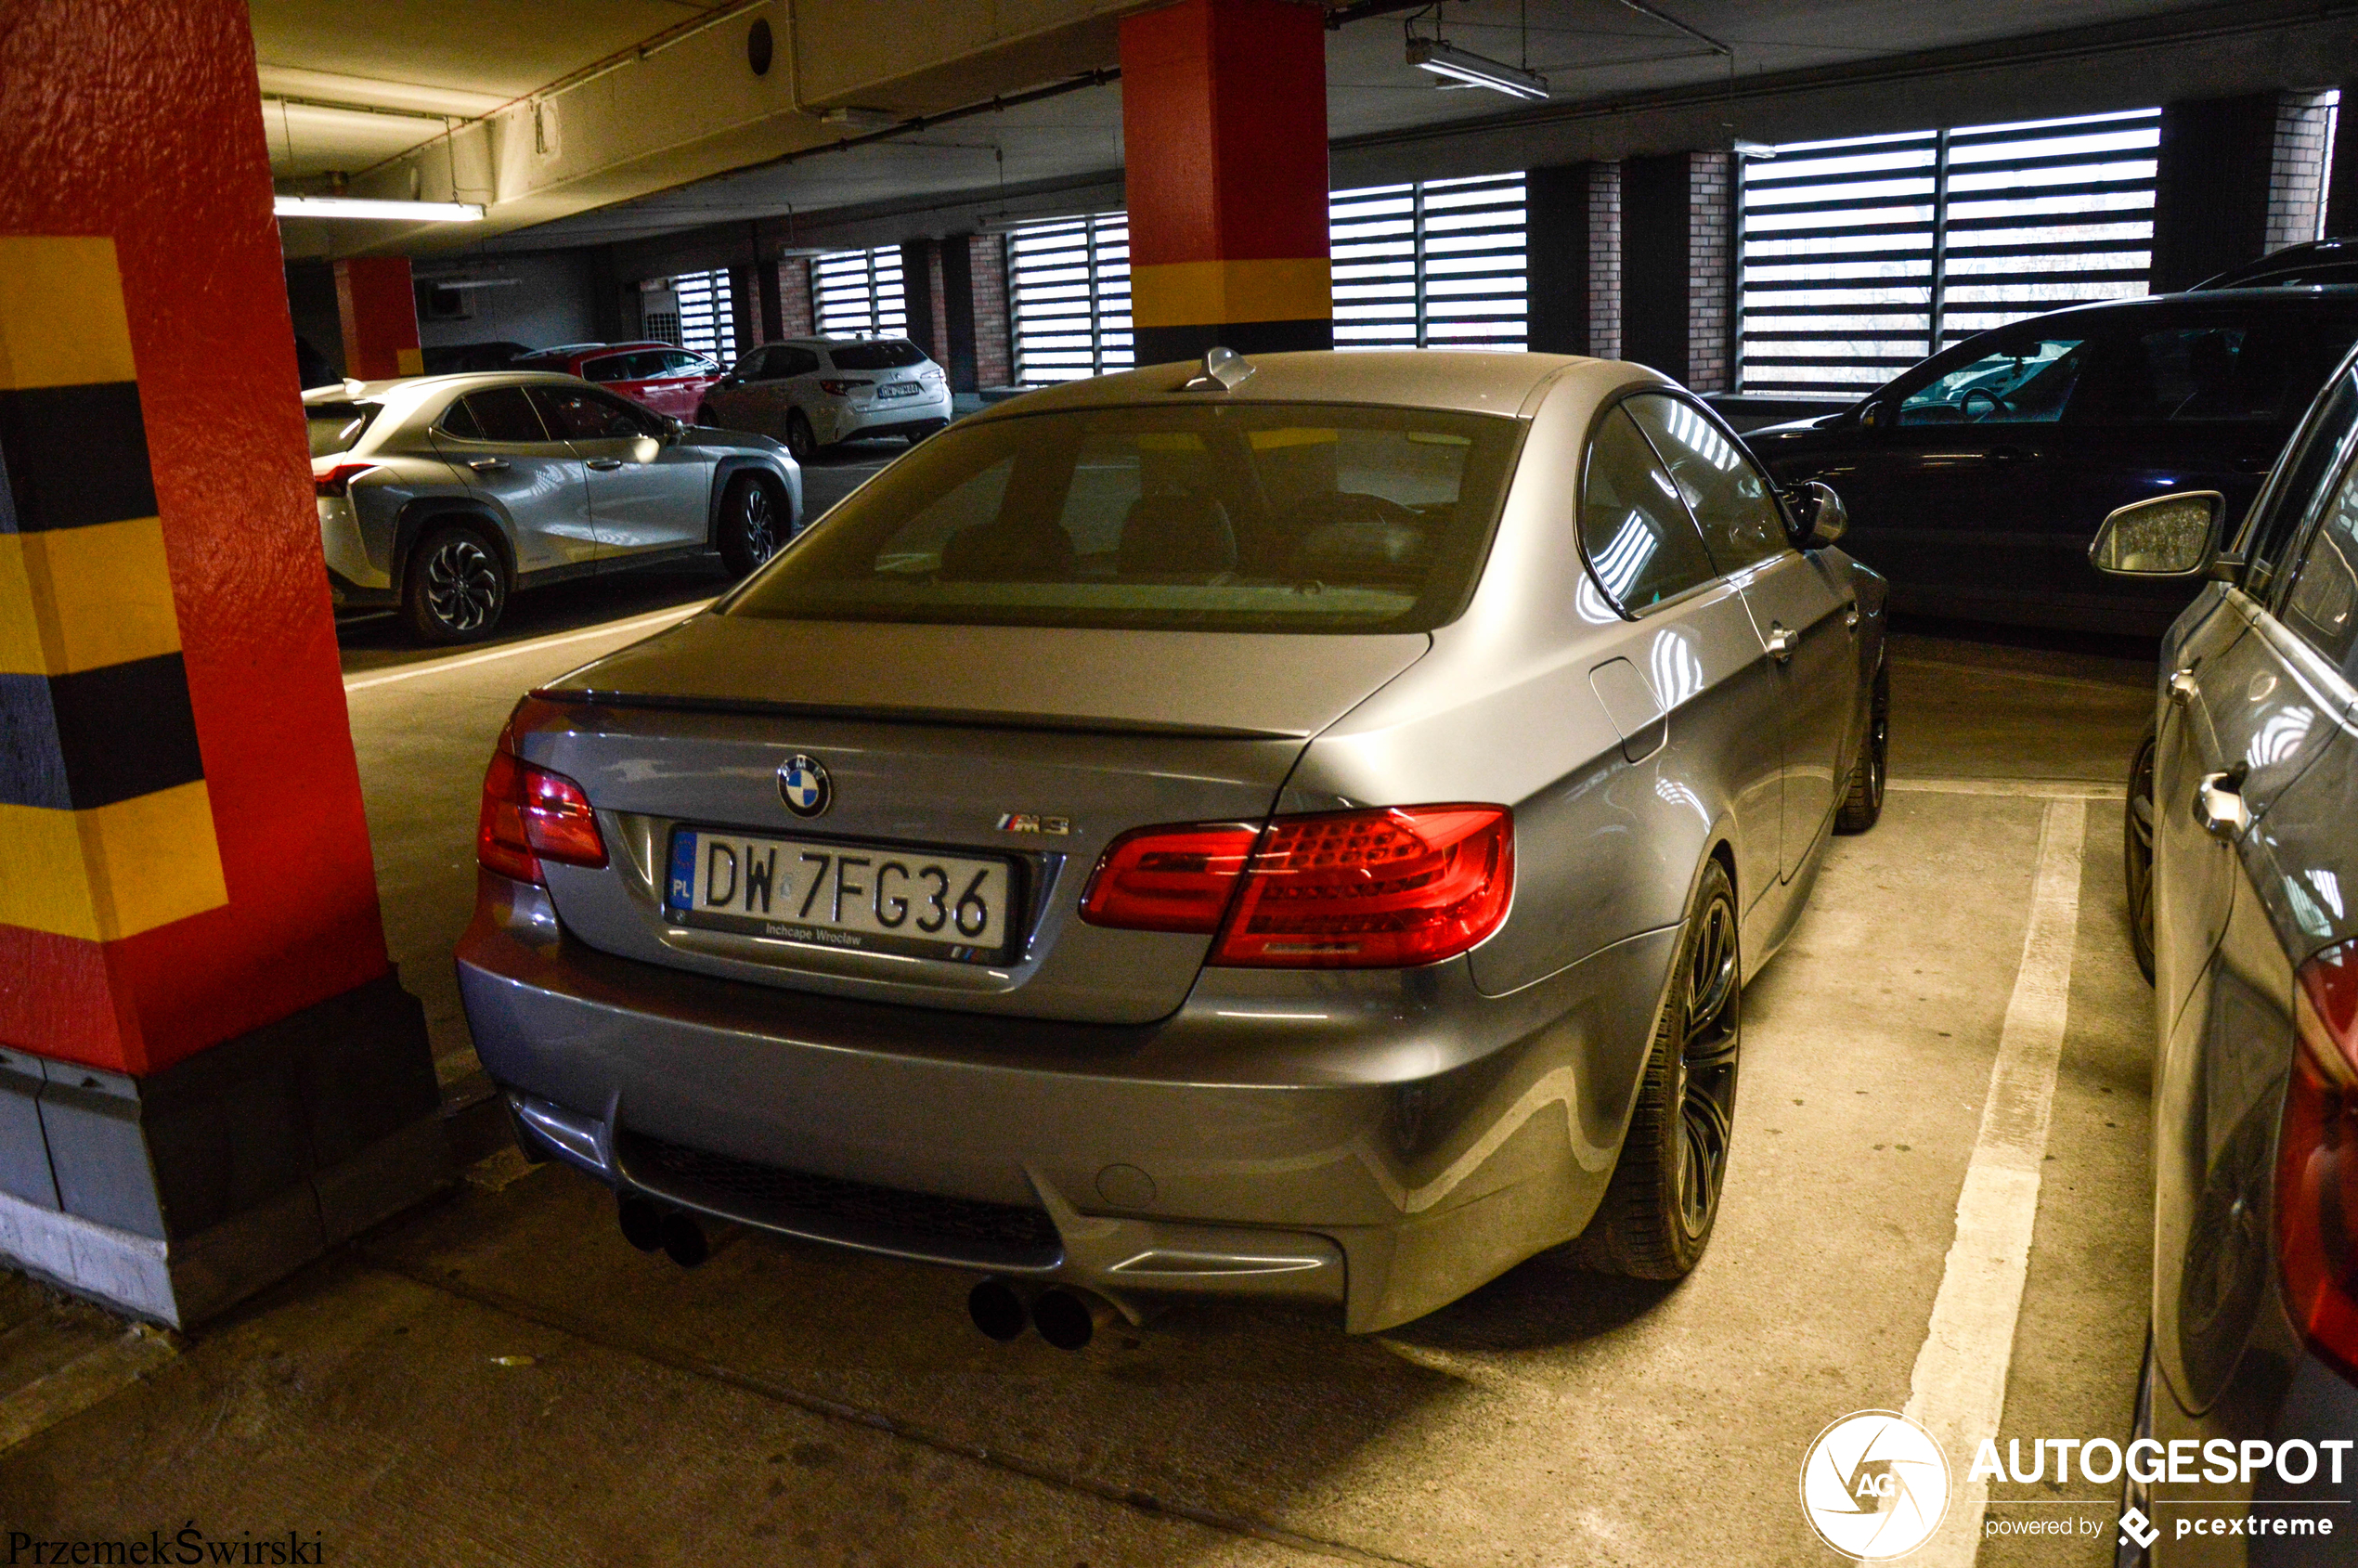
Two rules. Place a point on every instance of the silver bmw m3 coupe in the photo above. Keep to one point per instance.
(1291, 828)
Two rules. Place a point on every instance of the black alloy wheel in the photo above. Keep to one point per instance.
(800, 439)
(2137, 854)
(1862, 802)
(1658, 1213)
(456, 587)
(752, 526)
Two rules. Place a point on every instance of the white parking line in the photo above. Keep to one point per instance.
(637, 624)
(1959, 1388)
(2027, 789)
(81, 1383)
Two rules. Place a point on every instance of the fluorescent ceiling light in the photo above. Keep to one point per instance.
(357, 207)
(1455, 65)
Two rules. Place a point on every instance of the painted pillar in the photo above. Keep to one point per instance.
(376, 306)
(208, 1070)
(1223, 122)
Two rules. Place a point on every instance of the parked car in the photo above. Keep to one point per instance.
(1295, 828)
(814, 391)
(655, 375)
(1976, 480)
(2242, 849)
(2318, 263)
(440, 494)
(459, 357)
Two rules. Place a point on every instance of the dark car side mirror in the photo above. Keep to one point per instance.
(1818, 514)
(2172, 536)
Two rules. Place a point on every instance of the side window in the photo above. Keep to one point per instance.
(1640, 540)
(2022, 381)
(679, 362)
(612, 367)
(2298, 488)
(2323, 606)
(1730, 498)
(505, 414)
(589, 416)
(794, 362)
(456, 420)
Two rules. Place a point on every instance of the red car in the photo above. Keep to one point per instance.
(655, 375)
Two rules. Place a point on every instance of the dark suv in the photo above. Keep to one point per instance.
(1977, 480)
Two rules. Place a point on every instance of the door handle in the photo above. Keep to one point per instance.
(2182, 687)
(2007, 454)
(1780, 643)
(605, 465)
(489, 465)
(2219, 804)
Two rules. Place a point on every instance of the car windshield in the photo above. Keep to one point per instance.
(887, 354)
(336, 426)
(1272, 517)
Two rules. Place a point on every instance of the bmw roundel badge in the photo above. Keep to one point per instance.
(804, 786)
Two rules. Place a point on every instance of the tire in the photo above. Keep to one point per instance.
(2137, 855)
(753, 525)
(800, 440)
(455, 587)
(705, 419)
(1657, 1214)
(1862, 802)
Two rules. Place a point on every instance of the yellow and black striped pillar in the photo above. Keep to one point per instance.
(209, 1071)
(1223, 122)
(106, 830)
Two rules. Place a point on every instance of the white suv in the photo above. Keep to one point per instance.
(814, 391)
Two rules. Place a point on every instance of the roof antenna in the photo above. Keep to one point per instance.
(1223, 370)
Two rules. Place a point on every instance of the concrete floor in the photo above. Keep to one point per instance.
(500, 1379)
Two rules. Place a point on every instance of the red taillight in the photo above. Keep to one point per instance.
(530, 815)
(2317, 1160)
(337, 481)
(1167, 878)
(1345, 890)
(841, 389)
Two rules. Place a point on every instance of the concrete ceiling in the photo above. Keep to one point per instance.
(647, 142)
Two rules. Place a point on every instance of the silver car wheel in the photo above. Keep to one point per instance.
(1707, 1067)
(757, 523)
(463, 585)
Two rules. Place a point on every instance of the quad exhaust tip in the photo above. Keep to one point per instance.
(997, 1310)
(651, 1228)
(1066, 1318)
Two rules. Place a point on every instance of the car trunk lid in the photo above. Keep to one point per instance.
(1026, 748)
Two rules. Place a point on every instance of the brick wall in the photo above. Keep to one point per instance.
(1604, 260)
(2297, 172)
(1710, 254)
(794, 296)
(994, 358)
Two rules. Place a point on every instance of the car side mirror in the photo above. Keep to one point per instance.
(1818, 513)
(2174, 536)
(1875, 415)
(673, 427)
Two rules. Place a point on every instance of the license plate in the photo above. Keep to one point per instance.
(898, 389)
(868, 898)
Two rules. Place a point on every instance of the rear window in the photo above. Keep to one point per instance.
(336, 426)
(1289, 518)
(885, 355)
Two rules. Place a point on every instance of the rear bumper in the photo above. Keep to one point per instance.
(896, 418)
(1200, 1154)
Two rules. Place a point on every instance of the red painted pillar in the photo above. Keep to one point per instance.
(376, 306)
(208, 1071)
(1223, 123)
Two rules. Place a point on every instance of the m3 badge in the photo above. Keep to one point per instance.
(1027, 822)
